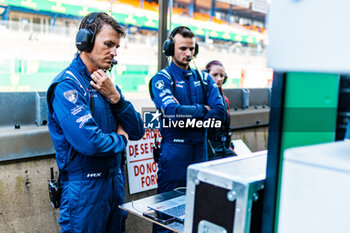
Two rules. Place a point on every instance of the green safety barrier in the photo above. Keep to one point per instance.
(128, 19)
(21, 75)
(235, 83)
(131, 77)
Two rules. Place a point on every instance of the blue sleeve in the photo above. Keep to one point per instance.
(128, 117)
(215, 100)
(164, 99)
(79, 127)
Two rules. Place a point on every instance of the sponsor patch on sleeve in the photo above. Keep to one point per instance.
(167, 102)
(159, 84)
(166, 98)
(76, 109)
(71, 95)
(83, 119)
(164, 92)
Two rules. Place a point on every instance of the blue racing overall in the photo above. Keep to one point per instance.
(184, 101)
(88, 150)
(181, 96)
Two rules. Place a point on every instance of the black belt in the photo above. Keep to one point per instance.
(183, 140)
(88, 175)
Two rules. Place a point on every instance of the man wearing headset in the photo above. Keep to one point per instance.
(183, 94)
(90, 123)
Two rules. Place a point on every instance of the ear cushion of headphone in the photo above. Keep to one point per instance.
(225, 79)
(84, 40)
(196, 49)
(168, 47)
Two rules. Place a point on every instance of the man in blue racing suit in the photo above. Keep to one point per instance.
(90, 123)
(190, 102)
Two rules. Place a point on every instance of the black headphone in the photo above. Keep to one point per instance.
(168, 46)
(207, 70)
(85, 39)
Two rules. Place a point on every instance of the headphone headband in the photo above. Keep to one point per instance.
(90, 21)
(92, 17)
(176, 30)
(211, 63)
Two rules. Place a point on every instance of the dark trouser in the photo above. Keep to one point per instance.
(92, 205)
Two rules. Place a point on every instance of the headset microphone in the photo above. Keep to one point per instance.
(189, 58)
(114, 62)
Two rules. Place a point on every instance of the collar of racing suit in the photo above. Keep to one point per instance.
(177, 71)
(77, 62)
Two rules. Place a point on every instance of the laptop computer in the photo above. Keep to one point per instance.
(174, 207)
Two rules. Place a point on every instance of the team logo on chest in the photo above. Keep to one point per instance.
(180, 84)
(197, 83)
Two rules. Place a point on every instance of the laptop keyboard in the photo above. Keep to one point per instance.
(176, 211)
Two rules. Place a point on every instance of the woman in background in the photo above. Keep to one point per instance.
(219, 139)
